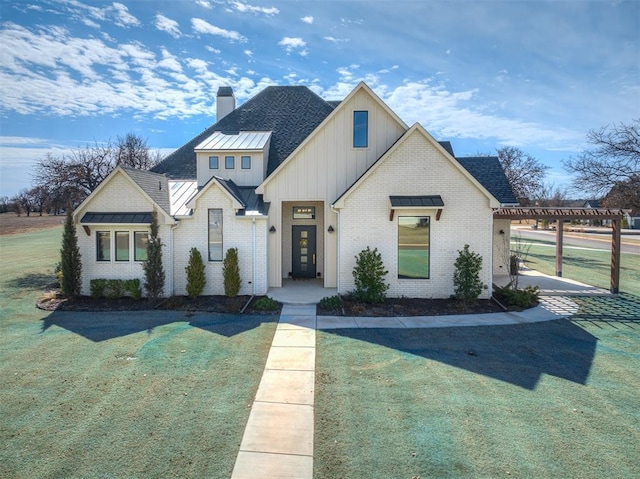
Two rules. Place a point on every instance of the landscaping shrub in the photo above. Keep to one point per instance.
(522, 298)
(70, 260)
(115, 288)
(196, 279)
(231, 273)
(369, 276)
(466, 277)
(266, 304)
(331, 302)
(153, 269)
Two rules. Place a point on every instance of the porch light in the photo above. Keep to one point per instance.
(272, 229)
(330, 230)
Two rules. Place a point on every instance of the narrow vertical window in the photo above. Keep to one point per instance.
(360, 129)
(229, 162)
(245, 162)
(214, 163)
(103, 246)
(141, 240)
(215, 234)
(413, 247)
(122, 246)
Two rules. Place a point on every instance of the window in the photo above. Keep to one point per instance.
(140, 240)
(214, 164)
(413, 247)
(103, 244)
(122, 246)
(245, 162)
(229, 162)
(215, 234)
(360, 129)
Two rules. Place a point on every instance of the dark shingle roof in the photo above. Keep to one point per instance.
(488, 171)
(447, 146)
(154, 184)
(290, 112)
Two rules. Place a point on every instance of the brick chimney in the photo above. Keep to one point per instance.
(225, 102)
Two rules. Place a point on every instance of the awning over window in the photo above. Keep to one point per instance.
(116, 218)
(428, 201)
(416, 202)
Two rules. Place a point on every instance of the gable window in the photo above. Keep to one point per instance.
(360, 129)
(140, 242)
(229, 162)
(122, 246)
(215, 234)
(245, 162)
(214, 163)
(413, 247)
(103, 245)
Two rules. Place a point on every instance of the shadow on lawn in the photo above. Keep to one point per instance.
(30, 281)
(517, 354)
(103, 326)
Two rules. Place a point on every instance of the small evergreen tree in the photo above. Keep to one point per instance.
(231, 273)
(195, 274)
(466, 277)
(70, 259)
(369, 276)
(153, 269)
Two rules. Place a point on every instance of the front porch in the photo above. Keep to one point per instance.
(301, 291)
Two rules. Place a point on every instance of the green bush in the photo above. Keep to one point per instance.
(70, 260)
(331, 302)
(266, 304)
(196, 278)
(97, 288)
(369, 276)
(132, 288)
(521, 298)
(153, 270)
(115, 288)
(231, 273)
(466, 277)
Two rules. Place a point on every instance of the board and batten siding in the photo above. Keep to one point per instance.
(416, 167)
(321, 170)
(249, 177)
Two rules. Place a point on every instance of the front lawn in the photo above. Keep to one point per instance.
(121, 394)
(546, 400)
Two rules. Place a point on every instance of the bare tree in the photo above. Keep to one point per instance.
(524, 172)
(624, 194)
(132, 150)
(551, 195)
(613, 160)
(24, 202)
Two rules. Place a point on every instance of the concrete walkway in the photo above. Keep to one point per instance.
(278, 439)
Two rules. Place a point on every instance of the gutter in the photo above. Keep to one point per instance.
(337, 212)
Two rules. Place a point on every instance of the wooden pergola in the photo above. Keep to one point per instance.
(567, 214)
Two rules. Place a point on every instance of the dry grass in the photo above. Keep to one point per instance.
(11, 224)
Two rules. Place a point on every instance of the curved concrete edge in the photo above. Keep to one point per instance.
(549, 309)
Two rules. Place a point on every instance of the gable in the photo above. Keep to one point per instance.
(419, 162)
(326, 162)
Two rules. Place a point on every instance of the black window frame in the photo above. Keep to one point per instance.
(226, 162)
(242, 162)
(217, 164)
(361, 129)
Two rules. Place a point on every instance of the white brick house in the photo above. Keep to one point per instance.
(300, 186)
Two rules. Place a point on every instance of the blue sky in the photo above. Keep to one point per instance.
(482, 74)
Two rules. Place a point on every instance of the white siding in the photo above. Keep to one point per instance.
(322, 170)
(118, 195)
(250, 177)
(237, 233)
(416, 167)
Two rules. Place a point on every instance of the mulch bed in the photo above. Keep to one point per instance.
(410, 307)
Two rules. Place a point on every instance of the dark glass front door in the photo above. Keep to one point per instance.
(304, 251)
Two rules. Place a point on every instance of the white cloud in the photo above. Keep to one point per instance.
(336, 40)
(212, 50)
(307, 19)
(169, 61)
(248, 53)
(293, 44)
(167, 25)
(203, 3)
(204, 27)
(246, 8)
(122, 16)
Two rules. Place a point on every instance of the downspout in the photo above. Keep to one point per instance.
(337, 212)
(172, 263)
(253, 264)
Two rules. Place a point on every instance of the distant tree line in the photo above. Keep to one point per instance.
(64, 180)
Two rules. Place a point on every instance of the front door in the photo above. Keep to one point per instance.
(304, 251)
